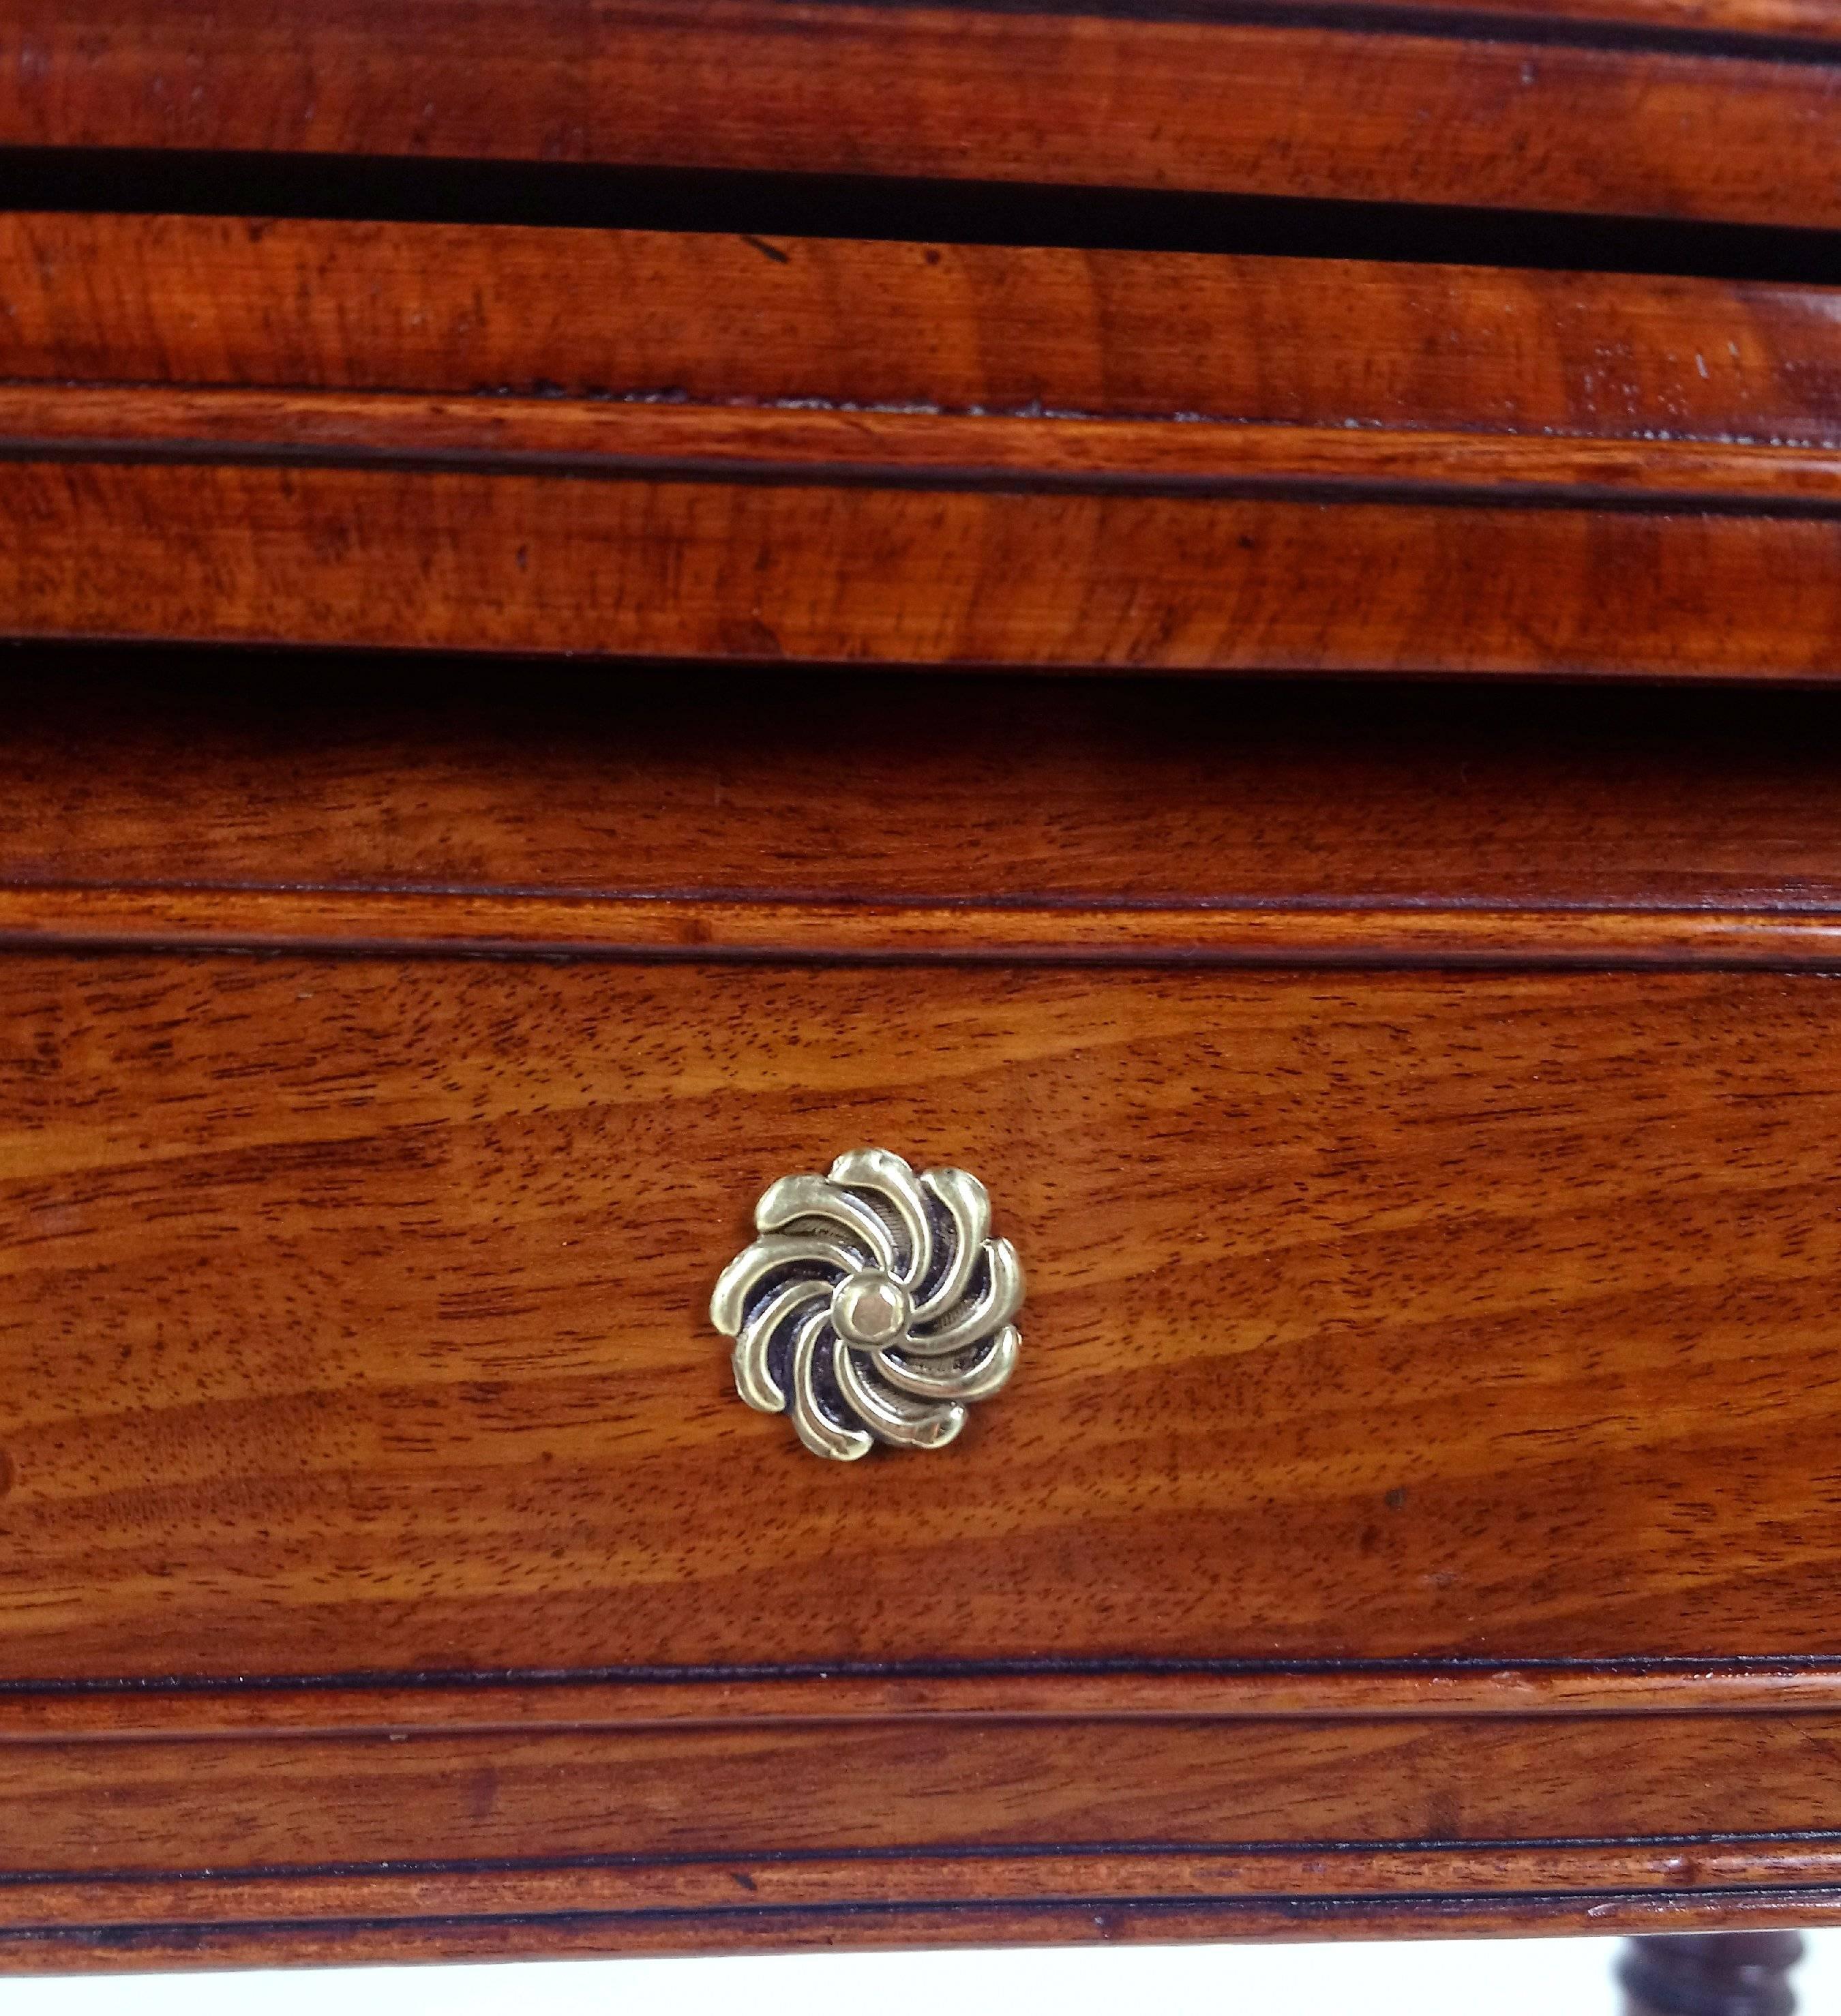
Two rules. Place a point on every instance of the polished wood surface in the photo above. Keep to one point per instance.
(392, 1573)
(733, 321)
(627, 1813)
(160, 779)
(667, 928)
(661, 1817)
(769, 573)
(1259, 1690)
(1416, 1510)
(1307, 465)
(740, 1833)
(681, 814)
(374, 1939)
(1480, 1317)
(1651, 107)
(1195, 459)
(733, 1835)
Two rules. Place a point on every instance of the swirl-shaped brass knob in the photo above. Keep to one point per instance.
(874, 1306)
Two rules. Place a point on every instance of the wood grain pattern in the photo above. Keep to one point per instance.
(1417, 1506)
(1167, 462)
(723, 320)
(375, 923)
(1257, 1691)
(927, 452)
(1803, 20)
(653, 1817)
(184, 772)
(1314, 1885)
(379, 1939)
(594, 439)
(648, 1818)
(769, 573)
(1563, 120)
(357, 1317)
(689, 1837)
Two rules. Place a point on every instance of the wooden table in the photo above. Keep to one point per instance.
(614, 604)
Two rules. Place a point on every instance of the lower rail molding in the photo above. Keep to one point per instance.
(929, 1881)
(372, 1705)
(396, 923)
(910, 1831)
(375, 1938)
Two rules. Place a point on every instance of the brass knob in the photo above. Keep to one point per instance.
(874, 1307)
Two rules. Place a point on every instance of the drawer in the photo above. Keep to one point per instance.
(1307, 1208)
(1414, 1502)
(359, 1320)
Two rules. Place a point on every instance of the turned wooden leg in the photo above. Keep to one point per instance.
(1709, 1974)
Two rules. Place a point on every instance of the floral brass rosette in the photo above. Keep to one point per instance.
(874, 1307)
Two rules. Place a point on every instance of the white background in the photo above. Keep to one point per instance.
(1480, 1977)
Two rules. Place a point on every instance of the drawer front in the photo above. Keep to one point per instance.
(357, 1322)
(874, 452)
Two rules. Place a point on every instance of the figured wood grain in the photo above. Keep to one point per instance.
(1390, 109)
(357, 1321)
(646, 1838)
(573, 1935)
(378, 923)
(925, 451)
(1417, 1509)
(182, 771)
(1757, 1868)
(1169, 461)
(1803, 20)
(1024, 1691)
(958, 1813)
(766, 573)
(725, 320)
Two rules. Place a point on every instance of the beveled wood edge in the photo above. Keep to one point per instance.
(817, 339)
(921, 1879)
(281, 1938)
(700, 88)
(1746, 26)
(819, 575)
(384, 923)
(378, 1704)
(1623, 22)
(588, 438)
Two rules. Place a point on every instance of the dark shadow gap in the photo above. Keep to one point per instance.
(156, 182)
